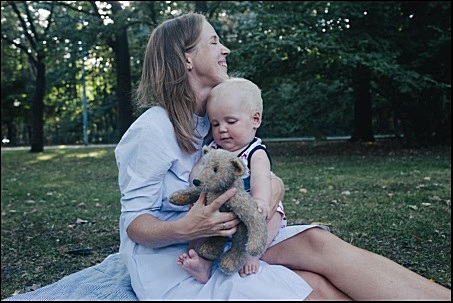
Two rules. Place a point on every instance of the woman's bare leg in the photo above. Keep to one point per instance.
(323, 290)
(360, 274)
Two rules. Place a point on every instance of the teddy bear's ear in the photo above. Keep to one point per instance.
(205, 150)
(239, 168)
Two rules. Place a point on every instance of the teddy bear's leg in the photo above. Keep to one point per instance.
(233, 260)
(257, 235)
(254, 221)
(211, 248)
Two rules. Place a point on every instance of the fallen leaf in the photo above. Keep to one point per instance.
(33, 287)
(81, 221)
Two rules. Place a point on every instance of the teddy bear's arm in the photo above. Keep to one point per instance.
(186, 196)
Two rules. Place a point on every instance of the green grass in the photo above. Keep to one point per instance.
(383, 197)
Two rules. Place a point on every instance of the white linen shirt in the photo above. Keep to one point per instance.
(151, 166)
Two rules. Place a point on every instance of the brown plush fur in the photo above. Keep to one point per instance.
(219, 171)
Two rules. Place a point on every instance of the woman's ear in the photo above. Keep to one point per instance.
(189, 65)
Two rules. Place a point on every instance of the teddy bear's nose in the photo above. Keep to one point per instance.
(196, 182)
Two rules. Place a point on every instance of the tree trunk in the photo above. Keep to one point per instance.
(363, 126)
(123, 77)
(37, 109)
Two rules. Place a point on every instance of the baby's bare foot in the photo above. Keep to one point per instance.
(251, 267)
(195, 266)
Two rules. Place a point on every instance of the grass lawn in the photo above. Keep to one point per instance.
(60, 208)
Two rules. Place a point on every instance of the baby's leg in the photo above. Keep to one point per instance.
(196, 266)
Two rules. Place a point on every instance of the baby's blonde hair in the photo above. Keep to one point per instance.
(246, 87)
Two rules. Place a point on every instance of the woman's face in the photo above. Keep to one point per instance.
(208, 60)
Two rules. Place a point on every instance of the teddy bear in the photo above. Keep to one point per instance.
(218, 171)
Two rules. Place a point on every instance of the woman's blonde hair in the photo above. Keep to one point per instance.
(164, 79)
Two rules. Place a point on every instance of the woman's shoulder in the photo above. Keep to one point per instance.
(155, 118)
(150, 127)
(156, 112)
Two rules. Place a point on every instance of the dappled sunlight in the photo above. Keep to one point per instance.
(91, 154)
(63, 152)
(42, 157)
(45, 157)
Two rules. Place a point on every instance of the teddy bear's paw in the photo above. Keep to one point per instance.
(208, 254)
(256, 247)
(230, 264)
(211, 248)
(179, 199)
(256, 252)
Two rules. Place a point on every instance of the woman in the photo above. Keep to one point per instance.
(183, 61)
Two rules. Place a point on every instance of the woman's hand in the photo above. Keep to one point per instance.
(201, 221)
(207, 221)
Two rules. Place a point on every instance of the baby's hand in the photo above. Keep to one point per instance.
(264, 209)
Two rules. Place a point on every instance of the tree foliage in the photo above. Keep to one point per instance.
(325, 68)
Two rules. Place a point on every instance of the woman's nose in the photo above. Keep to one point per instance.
(225, 50)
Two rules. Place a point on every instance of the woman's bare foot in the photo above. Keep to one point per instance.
(251, 267)
(196, 266)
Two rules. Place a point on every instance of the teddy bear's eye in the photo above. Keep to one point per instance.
(215, 169)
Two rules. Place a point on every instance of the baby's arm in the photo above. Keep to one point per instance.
(260, 183)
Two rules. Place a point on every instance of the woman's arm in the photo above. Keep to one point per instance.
(200, 221)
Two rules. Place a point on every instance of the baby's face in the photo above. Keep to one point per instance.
(232, 122)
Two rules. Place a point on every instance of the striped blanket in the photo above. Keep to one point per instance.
(108, 280)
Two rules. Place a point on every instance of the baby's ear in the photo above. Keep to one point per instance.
(205, 150)
(257, 120)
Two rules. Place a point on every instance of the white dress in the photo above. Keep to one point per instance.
(151, 166)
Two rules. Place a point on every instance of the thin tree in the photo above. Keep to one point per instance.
(35, 28)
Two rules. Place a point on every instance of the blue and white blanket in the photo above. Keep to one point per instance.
(106, 281)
